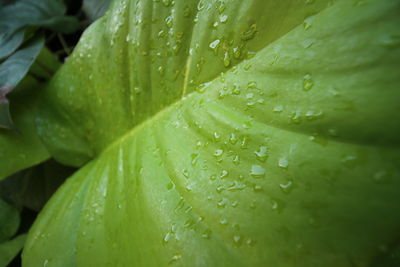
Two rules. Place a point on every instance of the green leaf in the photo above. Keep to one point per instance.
(14, 68)
(12, 71)
(32, 187)
(9, 221)
(10, 249)
(95, 9)
(228, 133)
(22, 148)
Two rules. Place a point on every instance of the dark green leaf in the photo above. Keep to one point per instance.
(5, 117)
(16, 15)
(9, 43)
(12, 71)
(31, 188)
(94, 9)
(21, 149)
(15, 67)
(10, 249)
(9, 220)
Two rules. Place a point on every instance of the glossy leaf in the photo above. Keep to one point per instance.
(285, 153)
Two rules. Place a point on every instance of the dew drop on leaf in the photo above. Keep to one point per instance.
(257, 171)
(237, 240)
(308, 82)
(261, 153)
(283, 163)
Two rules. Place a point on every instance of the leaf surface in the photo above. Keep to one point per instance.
(286, 155)
(10, 249)
(21, 148)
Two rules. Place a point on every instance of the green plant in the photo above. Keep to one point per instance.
(223, 133)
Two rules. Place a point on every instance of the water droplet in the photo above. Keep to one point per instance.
(236, 160)
(185, 173)
(236, 186)
(223, 18)
(206, 234)
(236, 52)
(283, 163)
(223, 221)
(194, 158)
(287, 187)
(257, 171)
(391, 40)
(167, 2)
(257, 188)
(200, 5)
(250, 242)
(236, 90)
(312, 115)
(224, 174)
(308, 43)
(227, 59)
(137, 90)
(220, 188)
(308, 82)
(381, 177)
(175, 258)
(170, 186)
(277, 205)
(261, 153)
(278, 109)
(167, 237)
(237, 240)
(218, 153)
(296, 117)
(308, 22)
(249, 33)
(252, 85)
(217, 137)
(244, 143)
(214, 45)
(169, 21)
(350, 161)
(222, 203)
(332, 132)
(233, 139)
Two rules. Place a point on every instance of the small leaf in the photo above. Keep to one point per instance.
(10, 249)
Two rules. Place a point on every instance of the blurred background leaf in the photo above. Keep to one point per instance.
(94, 9)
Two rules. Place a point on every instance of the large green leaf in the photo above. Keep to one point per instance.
(285, 154)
